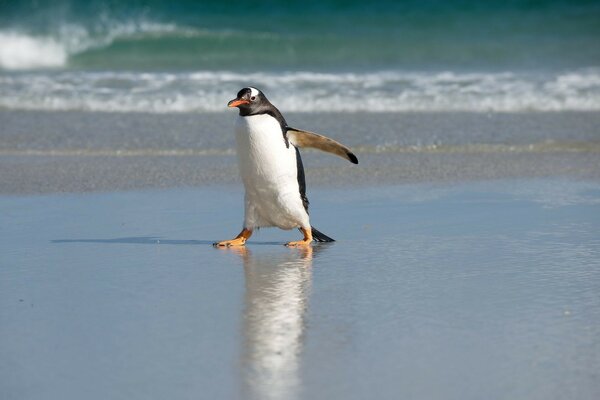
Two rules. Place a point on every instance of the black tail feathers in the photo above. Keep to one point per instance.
(320, 237)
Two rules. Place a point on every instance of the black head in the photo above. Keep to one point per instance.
(251, 101)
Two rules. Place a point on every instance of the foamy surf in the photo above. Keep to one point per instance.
(19, 51)
(384, 91)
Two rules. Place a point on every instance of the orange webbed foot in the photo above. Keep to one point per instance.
(306, 241)
(240, 240)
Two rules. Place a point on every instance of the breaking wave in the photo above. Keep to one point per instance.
(18, 51)
(26, 51)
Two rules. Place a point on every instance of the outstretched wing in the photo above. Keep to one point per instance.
(300, 138)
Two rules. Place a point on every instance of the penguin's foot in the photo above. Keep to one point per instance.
(230, 243)
(239, 240)
(304, 242)
(299, 243)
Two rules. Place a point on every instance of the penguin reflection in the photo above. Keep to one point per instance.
(276, 300)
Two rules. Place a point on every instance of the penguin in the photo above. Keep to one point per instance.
(272, 171)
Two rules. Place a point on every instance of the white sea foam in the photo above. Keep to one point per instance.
(18, 51)
(386, 91)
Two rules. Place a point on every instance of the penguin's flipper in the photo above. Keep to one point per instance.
(300, 138)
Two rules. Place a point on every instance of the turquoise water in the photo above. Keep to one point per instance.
(391, 56)
(312, 35)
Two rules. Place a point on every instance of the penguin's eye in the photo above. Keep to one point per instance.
(252, 98)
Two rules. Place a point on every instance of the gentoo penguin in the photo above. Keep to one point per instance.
(271, 168)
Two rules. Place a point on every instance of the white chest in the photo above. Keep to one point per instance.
(265, 160)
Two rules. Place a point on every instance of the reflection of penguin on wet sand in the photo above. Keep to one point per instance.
(276, 302)
(272, 171)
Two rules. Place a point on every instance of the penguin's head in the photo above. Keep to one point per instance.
(249, 100)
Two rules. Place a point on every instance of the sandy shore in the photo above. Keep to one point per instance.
(466, 263)
(76, 151)
(477, 290)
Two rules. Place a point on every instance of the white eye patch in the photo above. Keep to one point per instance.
(254, 92)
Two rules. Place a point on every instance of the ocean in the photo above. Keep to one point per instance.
(328, 56)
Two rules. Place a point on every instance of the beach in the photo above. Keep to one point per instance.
(466, 261)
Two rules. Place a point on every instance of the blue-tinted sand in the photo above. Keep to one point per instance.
(470, 291)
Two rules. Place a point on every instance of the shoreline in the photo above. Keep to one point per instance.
(50, 175)
(69, 152)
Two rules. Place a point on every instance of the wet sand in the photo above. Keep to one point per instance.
(466, 262)
(432, 291)
(44, 152)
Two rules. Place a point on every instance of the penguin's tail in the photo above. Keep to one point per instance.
(320, 237)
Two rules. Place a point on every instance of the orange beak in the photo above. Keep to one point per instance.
(237, 102)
